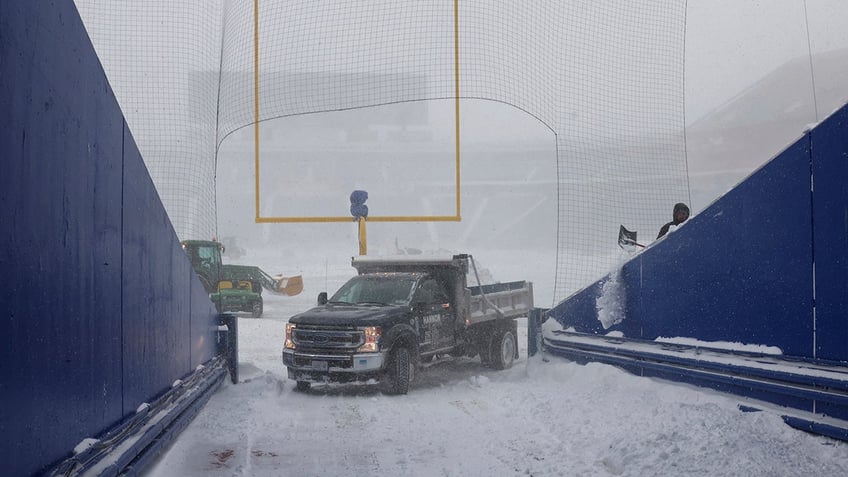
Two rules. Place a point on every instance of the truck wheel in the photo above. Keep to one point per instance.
(399, 372)
(503, 349)
(257, 310)
(484, 349)
(303, 386)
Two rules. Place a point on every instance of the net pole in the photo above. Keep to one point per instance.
(456, 99)
(256, 105)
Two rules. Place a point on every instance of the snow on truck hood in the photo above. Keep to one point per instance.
(357, 315)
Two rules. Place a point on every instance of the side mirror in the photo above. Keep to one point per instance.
(322, 298)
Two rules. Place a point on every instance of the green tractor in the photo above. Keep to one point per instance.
(205, 257)
(235, 287)
(238, 295)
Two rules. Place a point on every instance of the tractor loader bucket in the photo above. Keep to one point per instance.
(290, 285)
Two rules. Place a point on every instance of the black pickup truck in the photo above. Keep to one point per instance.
(400, 312)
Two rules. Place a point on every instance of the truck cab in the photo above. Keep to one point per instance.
(396, 314)
(429, 305)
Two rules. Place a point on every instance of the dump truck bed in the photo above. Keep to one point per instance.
(484, 303)
(500, 301)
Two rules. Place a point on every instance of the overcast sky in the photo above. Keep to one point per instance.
(730, 44)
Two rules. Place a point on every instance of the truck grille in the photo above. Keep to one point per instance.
(328, 339)
(340, 362)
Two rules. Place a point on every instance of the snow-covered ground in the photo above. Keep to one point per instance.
(460, 418)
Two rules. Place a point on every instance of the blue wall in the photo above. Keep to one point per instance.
(100, 310)
(830, 241)
(742, 270)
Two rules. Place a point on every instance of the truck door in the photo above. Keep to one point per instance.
(435, 314)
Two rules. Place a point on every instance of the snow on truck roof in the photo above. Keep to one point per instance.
(435, 259)
(377, 262)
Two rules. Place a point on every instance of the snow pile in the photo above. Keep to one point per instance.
(611, 302)
(726, 345)
(84, 445)
(540, 418)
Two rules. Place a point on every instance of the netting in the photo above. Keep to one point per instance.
(606, 77)
(162, 60)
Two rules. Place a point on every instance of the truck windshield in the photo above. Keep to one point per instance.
(376, 289)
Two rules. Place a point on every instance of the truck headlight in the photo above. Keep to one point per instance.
(289, 342)
(372, 336)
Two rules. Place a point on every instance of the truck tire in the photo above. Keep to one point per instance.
(503, 349)
(483, 346)
(303, 386)
(399, 371)
(485, 358)
(257, 310)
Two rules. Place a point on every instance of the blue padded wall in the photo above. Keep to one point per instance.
(60, 240)
(579, 310)
(155, 311)
(830, 225)
(202, 331)
(742, 270)
(100, 310)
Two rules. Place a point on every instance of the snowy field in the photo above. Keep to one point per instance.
(539, 418)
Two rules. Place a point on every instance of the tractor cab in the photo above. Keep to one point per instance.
(205, 258)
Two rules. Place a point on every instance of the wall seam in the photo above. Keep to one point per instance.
(123, 242)
(813, 240)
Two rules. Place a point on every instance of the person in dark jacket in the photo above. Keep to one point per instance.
(680, 214)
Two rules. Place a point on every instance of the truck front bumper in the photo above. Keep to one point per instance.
(332, 368)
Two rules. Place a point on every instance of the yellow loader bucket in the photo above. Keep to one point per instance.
(290, 285)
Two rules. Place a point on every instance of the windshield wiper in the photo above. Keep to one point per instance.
(378, 303)
(339, 303)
